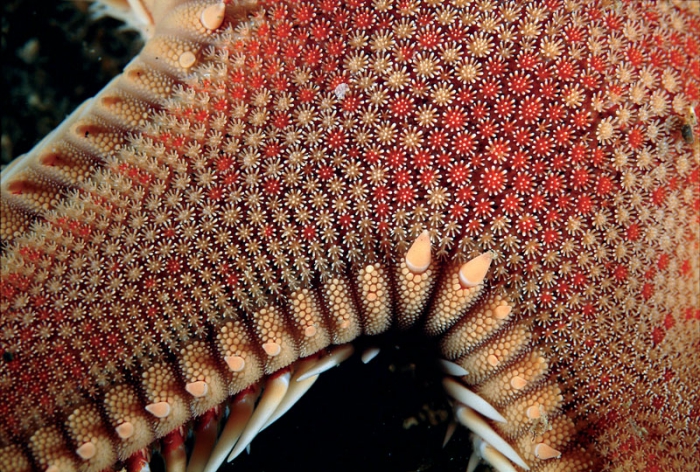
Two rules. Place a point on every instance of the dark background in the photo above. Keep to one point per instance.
(53, 58)
(353, 419)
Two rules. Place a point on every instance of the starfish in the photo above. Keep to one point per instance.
(268, 181)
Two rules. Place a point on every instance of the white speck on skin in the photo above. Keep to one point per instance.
(341, 90)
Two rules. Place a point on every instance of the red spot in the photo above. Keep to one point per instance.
(280, 121)
(604, 186)
(542, 146)
(511, 204)
(526, 225)
(457, 211)
(565, 70)
(458, 174)
(598, 156)
(335, 47)
(537, 202)
(221, 105)
(308, 232)
(573, 34)
(635, 56)
(530, 109)
(579, 280)
(151, 283)
(402, 107)
(395, 158)
(454, 118)
(657, 336)
(483, 207)
(421, 159)
(553, 184)
(429, 39)
(550, 236)
(465, 194)
(305, 14)
(527, 60)
(216, 193)
(345, 221)
(272, 187)
(201, 116)
(658, 196)
(650, 273)
(239, 93)
(351, 103)
(647, 291)
(307, 95)
(380, 192)
(427, 177)
(40, 301)
(405, 195)
(677, 59)
(685, 267)
(546, 297)
(174, 266)
(336, 139)
(633, 232)
(320, 30)
(522, 183)
(493, 180)
(579, 178)
(232, 280)
(464, 144)
(635, 138)
(490, 89)
(669, 321)
(372, 156)
(402, 177)
(325, 172)
(487, 128)
(692, 313)
(620, 273)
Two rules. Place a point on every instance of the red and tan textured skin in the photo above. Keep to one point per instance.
(250, 186)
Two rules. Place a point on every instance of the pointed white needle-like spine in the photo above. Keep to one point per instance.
(449, 432)
(274, 392)
(494, 458)
(337, 355)
(204, 440)
(450, 368)
(369, 354)
(173, 450)
(296, 389)
(241, 410)
(478, 425)
(463, 395)
(474, 460)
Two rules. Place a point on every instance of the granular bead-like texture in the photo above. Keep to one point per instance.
(255, 189)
